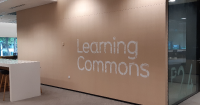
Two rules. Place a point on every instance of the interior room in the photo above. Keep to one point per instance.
(99, 52)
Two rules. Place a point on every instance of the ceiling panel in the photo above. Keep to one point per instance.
(10, 6)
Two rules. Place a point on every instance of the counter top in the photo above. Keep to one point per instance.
(10, 61)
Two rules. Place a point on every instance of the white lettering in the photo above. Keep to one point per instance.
(78, 47)
(116, 47)
(88, 61)
(118, 43)
(120, 70)
(137, 67)
(86, 46)
(135, 52)
(111, 63)
(105, 46)
(141, 67)
(98, 62)
(96, 44)
(114, 38)
(78, 63)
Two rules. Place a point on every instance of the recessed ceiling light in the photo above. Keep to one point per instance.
(1, 1)
(172, 0)
(183, 18)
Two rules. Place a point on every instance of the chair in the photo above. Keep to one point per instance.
(5, 75)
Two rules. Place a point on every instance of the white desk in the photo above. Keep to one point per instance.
(24, 78)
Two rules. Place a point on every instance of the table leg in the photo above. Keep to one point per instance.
(5, 88)
(1, 81)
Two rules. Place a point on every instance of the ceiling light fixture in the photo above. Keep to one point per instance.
(1, 1)
(183, 18)
(172, 0)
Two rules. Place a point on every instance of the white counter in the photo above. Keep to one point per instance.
(24, 78)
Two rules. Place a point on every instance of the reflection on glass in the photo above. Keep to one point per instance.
(8, 46)
(182, 51)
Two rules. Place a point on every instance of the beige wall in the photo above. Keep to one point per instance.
(50, 34)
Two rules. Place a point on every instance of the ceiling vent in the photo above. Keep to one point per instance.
(17, 6)
(14, 13)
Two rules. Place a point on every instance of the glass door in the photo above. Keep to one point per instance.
(182, 50)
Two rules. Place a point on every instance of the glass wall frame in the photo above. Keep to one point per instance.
(183, 50)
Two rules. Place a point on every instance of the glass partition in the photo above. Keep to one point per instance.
(8, 46)
(182, 50)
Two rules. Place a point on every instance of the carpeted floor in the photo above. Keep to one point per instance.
(55, 96)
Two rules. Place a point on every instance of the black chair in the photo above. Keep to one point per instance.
(5, 75)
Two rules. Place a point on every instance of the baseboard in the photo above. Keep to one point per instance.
(93, 95)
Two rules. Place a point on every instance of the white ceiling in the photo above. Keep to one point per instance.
(5, 7)
(10, 6)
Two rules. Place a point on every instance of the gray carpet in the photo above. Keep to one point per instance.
(55, 96)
